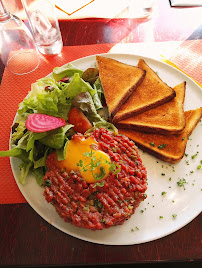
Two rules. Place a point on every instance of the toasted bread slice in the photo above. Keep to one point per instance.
(151, 93)
(167, 118)
(169, 148)
(118, 80)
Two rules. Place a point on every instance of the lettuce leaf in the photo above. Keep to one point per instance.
(55, 102)
(85, 103)
(19, 129)
(12, 153)
(40, 100)
(77, 85)
(99, 88)
(56, 138)
(61, 153)
(107, 125)
(24, 168)
(39, 175)
(68, 71)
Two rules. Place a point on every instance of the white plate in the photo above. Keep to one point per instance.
(147, 223)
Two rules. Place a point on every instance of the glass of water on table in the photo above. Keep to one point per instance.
(44, 25)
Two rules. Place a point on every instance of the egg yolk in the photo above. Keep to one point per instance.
(81, 156)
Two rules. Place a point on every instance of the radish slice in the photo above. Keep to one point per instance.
(43, 122)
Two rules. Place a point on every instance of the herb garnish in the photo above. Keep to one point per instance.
(200, 165)
(181, 183)
(136, 228)
(95, 163)
(47, 183)
(193, 156)
(162, 146)
(152, 144)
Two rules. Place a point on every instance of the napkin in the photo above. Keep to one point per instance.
(72, 7)
(189, 60)
(91, 8)
(185, 3)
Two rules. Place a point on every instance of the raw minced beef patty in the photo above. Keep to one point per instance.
(89, 205)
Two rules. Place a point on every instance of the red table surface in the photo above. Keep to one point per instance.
(28, 240)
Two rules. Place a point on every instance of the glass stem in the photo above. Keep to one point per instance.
(4, 14)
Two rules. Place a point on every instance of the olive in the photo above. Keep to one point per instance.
(90, 75)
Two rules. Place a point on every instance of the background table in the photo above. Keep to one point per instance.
(25, 238)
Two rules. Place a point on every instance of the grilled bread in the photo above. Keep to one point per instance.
(169, 148)
(167, 118)
(151, 93)
(118, 80)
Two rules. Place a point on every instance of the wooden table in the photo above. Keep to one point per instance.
(28, 240)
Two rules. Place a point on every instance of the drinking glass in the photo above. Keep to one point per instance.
(44, 24)
(17, 48)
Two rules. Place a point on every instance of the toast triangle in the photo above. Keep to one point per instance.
(151, 93)
(169, 148)
(118, 80)
(167, 118)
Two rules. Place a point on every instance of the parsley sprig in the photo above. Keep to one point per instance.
(97, 162)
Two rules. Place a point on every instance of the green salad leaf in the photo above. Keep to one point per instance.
(15, 152)
(25, 168)
(67, 71)
(99, 88)
(77, 85)
(56, 138)
(39, 175)
(61, 153)
(85, 103)
(41, 100)
(104, 124)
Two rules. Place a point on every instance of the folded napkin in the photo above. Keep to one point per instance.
(188, 59)
(72, 7)
(78, 9)
(185, 3)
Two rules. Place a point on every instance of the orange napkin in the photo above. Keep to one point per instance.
(13, 89)
(72, 8)
(78, 9)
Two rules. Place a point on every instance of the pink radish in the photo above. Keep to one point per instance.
(43, 122)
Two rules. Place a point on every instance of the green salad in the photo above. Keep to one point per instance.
(68, 87)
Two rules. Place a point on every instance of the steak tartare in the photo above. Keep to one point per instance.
(92, 205)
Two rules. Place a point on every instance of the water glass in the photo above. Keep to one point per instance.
(44, 25)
